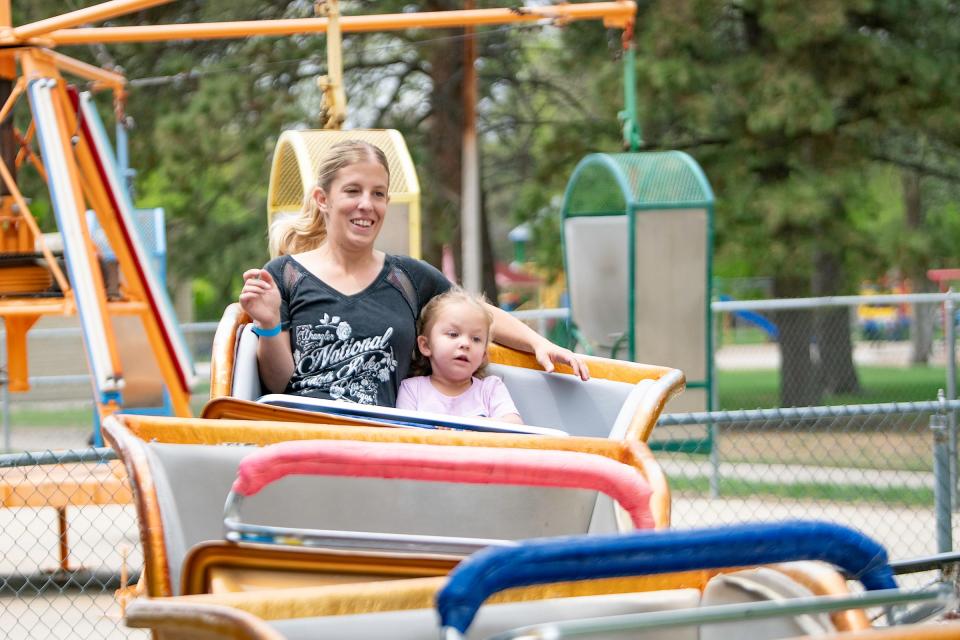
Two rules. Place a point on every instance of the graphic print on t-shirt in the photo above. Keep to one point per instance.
(329, 358)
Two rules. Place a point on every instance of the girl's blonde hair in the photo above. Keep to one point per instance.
(308, 229)
(420, 366)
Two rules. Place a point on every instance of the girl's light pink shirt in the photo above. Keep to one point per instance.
(486, 398)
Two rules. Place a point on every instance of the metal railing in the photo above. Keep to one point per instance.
(886, 468)
(882, 468)
(832, 350)
(69, 547)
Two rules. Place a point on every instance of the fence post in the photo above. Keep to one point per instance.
(713, 404)
(941, 482)
(5, 395)
(950, 338)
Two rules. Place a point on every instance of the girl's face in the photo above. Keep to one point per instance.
(456, 343)
(355, 205)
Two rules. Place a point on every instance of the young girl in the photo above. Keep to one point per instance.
(452, 337)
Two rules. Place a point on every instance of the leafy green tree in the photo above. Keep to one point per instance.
(787, 106)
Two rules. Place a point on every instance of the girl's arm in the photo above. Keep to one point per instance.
(512, 418)
(500, 404)
(260, 298)
(510, 332)
(405, 397)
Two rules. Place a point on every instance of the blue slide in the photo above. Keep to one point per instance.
(757, 320)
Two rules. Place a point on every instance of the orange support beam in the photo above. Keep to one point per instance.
(102, 11)
(100, 77)
(614, 14)
(17, 367)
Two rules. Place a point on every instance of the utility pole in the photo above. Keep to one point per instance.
(472, 237)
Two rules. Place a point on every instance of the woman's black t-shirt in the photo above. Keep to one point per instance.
(355, 348)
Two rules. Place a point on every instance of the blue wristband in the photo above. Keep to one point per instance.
(268, 333)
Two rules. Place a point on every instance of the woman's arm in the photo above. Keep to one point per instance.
(275, 360)
(260, 298)
(510, 332)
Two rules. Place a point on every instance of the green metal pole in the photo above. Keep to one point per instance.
(632, 137)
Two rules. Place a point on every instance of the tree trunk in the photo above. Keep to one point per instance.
(8, 146)
(922, 316)
(442, 165)
(799, 386)
(923, 319)
(488, 283)
(835, 346)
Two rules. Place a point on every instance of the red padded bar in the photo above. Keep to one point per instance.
(471, 465)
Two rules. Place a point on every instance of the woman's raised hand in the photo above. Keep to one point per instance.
(260, 298)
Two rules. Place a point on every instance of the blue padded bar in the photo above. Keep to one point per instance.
(550, 560)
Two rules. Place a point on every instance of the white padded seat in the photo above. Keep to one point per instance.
(193, 480)
(422, 624)
(750, 585)
(597, 408)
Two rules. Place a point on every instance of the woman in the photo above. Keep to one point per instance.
(336, 317)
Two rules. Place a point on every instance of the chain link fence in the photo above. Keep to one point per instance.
(57, 412)
(868, 466)
(68, 534)
(68, 543)
(842, 350)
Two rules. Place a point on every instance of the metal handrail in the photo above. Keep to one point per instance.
(724, 613)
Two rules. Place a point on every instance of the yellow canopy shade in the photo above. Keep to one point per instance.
(293, 176)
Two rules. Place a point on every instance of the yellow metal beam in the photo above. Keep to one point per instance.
(614, 14)
(102, 11)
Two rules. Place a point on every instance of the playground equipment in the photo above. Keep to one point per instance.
(182, 473)
(752, 318)
(637, 238)
(82, 175)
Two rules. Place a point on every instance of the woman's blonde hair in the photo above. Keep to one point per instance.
(420, 366)
(308, 229)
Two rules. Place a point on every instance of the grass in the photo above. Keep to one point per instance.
(68, 416)
(735, 488)
(742, 335)
(760, 388)
(79, 414)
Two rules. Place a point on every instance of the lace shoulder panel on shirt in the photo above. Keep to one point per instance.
(292, 274)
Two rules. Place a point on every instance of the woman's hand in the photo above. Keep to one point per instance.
(548, 354)
(510, 332)
(260, 298)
